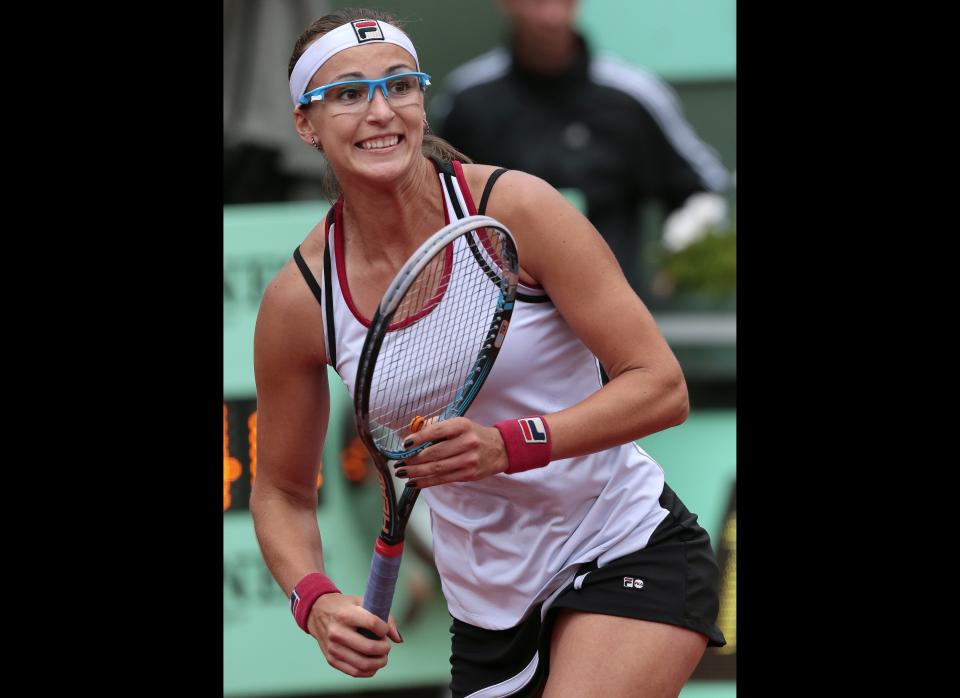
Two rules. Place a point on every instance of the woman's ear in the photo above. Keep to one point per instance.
(305, 129)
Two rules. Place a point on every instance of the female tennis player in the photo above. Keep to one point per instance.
(569, 567)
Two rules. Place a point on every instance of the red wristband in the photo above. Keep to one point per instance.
(527, 442)
(306, 592)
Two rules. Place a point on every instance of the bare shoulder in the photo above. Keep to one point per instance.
(290, 320)
(514, 187)
(477, 176)
(535, 212)
(515, 192)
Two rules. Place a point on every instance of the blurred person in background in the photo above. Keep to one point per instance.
(568, 564)
(547, 105)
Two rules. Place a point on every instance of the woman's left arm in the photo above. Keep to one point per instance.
(563, 252)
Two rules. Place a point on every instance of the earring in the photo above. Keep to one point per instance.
(316, 145)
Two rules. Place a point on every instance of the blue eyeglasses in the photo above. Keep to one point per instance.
(353, 95)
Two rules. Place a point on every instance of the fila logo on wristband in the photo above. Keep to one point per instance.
(367, 30)
(533, 430)
(294, 602)
(526, 442)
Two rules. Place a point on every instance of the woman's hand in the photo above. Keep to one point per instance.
(333, 622)
(466, 452)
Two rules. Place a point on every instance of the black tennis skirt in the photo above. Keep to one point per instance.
(674, 579)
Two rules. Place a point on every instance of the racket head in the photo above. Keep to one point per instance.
(432, 342)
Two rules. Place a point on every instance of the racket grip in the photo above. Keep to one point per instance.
(384, 569)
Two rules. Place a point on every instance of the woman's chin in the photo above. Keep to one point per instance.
(387, 165)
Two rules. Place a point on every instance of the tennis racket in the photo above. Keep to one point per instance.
(430, 346)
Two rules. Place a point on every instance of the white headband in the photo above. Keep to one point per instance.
(355, 33)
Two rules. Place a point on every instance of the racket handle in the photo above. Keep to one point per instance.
(384, 569)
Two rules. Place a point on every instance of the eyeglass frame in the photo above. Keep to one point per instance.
(317, 93)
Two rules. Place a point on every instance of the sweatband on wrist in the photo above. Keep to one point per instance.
(306, 592)
(355, 33)
(527, 442)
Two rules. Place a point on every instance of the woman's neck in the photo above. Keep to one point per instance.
(389, 223)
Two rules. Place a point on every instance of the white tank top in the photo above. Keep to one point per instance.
(507, 542)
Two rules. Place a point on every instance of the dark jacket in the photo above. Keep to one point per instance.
(609, 129)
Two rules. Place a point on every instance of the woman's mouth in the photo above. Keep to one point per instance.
(380, 142)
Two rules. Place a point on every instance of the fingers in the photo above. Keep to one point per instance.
(393, 633)
(447, 448)
(450, 437)
(363, 619)
(336, 631)
(463, 451)
(445, 476)
(436, 430)
(468, 452)
(351, 662)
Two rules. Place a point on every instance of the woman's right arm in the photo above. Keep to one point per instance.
(293, 406)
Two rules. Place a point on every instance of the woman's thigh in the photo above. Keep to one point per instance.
(611, 656)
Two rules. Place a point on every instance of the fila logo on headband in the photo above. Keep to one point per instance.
(533, 430)
(367, 30)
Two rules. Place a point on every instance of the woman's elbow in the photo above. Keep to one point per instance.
(678, 398)
(266, 494)
(264, 497)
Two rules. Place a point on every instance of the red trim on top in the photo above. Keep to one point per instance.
(342, 267)
(341, 262)
(471, 207)
(462, 180)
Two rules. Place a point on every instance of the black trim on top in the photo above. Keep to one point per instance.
(604, 378)
(328, 288)
(324, 297)
(448, 178)
(486, 189)
(483, 204)
(491, 180)
(532, 299)
(443, 166)
(308, 275)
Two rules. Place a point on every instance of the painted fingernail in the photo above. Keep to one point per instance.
(401, 473)
(411, 483)
(408, 443)
(401, 636)
(399, 464)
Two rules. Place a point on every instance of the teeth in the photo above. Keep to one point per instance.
(380, 142)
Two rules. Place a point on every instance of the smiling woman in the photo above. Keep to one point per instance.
(401, 84)
(541, 504)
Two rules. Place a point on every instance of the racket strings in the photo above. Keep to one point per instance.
(441, 337)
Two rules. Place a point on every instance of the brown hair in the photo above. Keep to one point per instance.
(433, 146)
